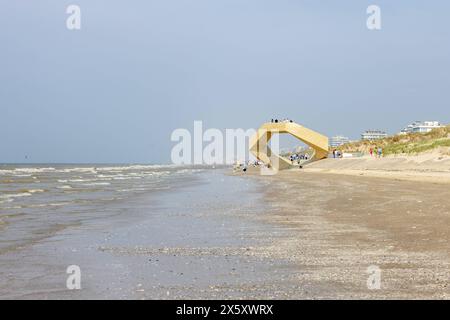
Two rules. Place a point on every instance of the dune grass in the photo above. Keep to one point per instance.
(412, 143)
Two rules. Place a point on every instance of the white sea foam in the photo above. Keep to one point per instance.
(64, 187)
(82, 170)
(11, 197)
(35, 190)
(43, 205)
(136, 167)
(104, 177)
(189, 170)
(34, 170)
(127, 178)
(81, 180)
(15, 195)
(94, 170)
(97, 184)
(132, 190)
(67, 178)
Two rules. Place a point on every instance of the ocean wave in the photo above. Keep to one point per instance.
(189, 170)
(81, 180)
(42, 205)
(104, 176)
(35, 190)
(10, 197)
(128, 178)
(159, 173)
(4, 198)
(34, 170)
(132, 189)
(64, 187)
(136, 167)
(15, 195)
(94, 170)
(125, 190)
(86, 180)
(29, 171)
(97, 184)
(82, 170)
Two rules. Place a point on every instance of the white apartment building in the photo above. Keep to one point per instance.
(337, 141)
(373, 135)
(421, 127)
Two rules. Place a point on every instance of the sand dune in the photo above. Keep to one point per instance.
(430, 167)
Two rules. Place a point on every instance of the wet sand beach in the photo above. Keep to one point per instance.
(295, 235)
(343, 224)
(193, 240)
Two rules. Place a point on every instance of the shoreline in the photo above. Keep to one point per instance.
(200, 241)
(295, 235)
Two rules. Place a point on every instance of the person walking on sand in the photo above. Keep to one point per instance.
(380, 152)
(371, 152)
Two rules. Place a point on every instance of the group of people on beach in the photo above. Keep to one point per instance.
(281, 121)
(337, 154)
(246, 164)
(298, 157)
(378, 152)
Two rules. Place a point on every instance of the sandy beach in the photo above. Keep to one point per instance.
(341, 224)
(429, 167)
(295, 235)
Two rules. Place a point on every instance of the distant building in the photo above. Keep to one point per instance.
(337, 141)
(421, 127)
(373, 135)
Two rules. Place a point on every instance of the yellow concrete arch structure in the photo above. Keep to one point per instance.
(260, 149)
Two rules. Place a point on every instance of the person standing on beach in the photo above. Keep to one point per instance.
(380, 152)
(371, 152)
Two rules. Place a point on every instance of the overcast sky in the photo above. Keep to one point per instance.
(116, 89)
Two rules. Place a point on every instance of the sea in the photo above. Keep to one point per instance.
(38, 200)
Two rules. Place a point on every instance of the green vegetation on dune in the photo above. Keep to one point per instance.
(418, 147)
(412, 143)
